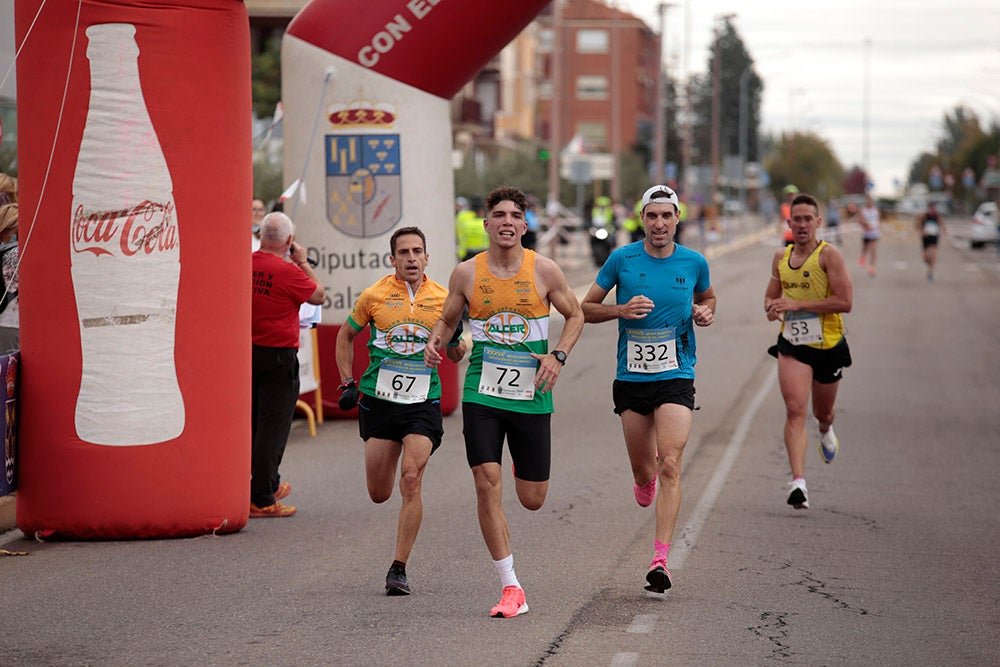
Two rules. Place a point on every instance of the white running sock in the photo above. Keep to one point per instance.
(505, 568)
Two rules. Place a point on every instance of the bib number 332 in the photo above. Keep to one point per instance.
(651, 350)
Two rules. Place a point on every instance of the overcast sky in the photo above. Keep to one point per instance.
(925, 58)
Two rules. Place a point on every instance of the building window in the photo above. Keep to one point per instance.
(545, 90)
(592, 41)
(595, 134)
(591, 87)
(545, 40)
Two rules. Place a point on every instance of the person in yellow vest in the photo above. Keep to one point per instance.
(470, 232)
(809, 290)
(603, 214)
(633, 223)
(603, 228)
(682, 215)
(788, 193)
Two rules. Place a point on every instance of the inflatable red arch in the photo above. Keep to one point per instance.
(135, 173)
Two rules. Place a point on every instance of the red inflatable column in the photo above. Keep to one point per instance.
(135, 264)
(366, 89)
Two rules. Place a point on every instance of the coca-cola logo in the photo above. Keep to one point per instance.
(148, 227)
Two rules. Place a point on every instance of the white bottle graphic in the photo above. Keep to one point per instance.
(125, 257)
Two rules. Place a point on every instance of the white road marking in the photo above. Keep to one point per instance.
(624, 659)
(683, 545)
(643, 623)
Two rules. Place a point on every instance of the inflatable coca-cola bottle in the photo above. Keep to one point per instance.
(125, 257)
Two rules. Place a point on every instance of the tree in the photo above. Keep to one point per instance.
(855, 182)
(807, 161)
(266, 78)
(963, 144)
(643, 149)
(734, 61)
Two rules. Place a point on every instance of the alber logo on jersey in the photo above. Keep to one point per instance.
(406, 338)
(506, 328)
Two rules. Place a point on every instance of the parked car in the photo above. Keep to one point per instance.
(983, 225)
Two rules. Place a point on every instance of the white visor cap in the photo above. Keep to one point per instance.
(660, 194)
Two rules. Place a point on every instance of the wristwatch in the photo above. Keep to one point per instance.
(559, 355)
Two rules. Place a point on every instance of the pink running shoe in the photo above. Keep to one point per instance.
(645, 494)
(512, 603)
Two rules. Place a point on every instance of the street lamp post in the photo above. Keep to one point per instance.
(717, 106)
(659, 121)
(744, 131)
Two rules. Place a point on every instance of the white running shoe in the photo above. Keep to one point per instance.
(798, 496)
(829, 445)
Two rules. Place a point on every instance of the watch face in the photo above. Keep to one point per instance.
(560, 356)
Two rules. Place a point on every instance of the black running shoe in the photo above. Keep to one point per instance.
(658, 579)
(395, 582)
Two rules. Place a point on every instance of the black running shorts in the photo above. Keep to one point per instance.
(827, 365)
(644, 397)
(529, 439)
(392, 421)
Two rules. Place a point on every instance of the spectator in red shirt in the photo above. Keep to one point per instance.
(280, 286)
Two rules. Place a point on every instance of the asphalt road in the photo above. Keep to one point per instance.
(894, 564)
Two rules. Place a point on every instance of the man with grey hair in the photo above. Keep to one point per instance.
(280, 286)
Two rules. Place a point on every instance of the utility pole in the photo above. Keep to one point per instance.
(659, 120)
(866, 116)
(616, 110)
(555, 107)
(686, 180)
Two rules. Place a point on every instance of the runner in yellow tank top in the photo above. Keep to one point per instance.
(511, 372)
(808, 282)
(808, 290)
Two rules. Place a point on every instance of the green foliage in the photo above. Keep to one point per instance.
(963, 144)
(267, 179)
(266, 78)
(734, 60)
(522, 169)
(807, 161)
(518, 167)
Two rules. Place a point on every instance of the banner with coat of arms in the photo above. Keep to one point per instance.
(363, 183)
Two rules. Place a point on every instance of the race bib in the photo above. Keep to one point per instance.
(508, 374)
(651, 350)
(403, 380)
(931, 228)
(802, 328)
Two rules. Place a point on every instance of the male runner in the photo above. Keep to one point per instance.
(508, 385)
(661, 290)
(400, 412)
(808, 291)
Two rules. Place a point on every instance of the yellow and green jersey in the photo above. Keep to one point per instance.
(508, 320)
(809, 282)
(401, 321)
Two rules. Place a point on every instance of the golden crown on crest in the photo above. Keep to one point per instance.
(361, 113)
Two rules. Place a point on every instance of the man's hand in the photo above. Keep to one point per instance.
(432, 354)
(348, 395)
(702, 315)
(637, 308)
